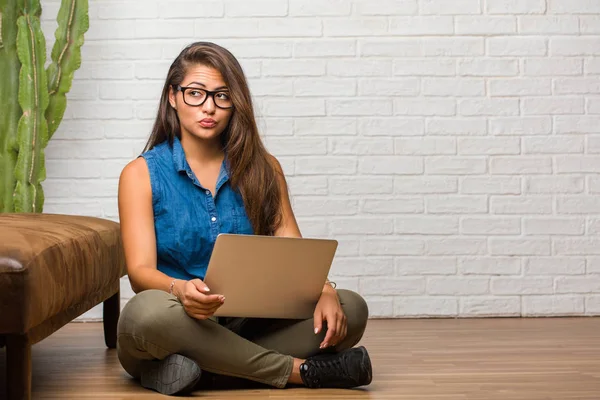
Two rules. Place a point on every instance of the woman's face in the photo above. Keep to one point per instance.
(206, 121)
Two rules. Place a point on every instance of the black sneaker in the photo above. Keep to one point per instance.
(175, 374)
(348, 369)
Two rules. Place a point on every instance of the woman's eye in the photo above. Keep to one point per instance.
(223, 96)
(196, 93)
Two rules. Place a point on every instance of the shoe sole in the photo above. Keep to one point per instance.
(368, 366)
(175, 374)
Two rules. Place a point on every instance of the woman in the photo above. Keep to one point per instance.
(205, 171)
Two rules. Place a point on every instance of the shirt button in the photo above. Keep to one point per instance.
(213, 219)
(208, 192)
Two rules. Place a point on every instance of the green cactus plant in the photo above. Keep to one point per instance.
(33, 99)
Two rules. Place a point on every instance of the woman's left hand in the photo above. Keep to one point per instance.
(329, 309)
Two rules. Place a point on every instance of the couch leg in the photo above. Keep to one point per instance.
(18, 367)
(112, 309)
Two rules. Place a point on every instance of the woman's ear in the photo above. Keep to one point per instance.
(172, 100)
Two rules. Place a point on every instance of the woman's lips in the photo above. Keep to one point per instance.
(208, 123)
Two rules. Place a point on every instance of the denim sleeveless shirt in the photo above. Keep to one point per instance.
(187, 218)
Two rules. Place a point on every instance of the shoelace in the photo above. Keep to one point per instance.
(328, 368)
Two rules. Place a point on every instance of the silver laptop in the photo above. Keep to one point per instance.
(267, 276)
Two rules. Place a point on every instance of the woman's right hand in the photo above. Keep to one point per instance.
(196, 300)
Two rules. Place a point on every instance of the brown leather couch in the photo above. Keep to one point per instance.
(53, 268)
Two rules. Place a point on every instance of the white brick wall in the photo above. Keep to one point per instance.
(450, 146)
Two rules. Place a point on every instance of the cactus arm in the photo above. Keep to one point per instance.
(32, 131)
(10, 112)
(73, 22)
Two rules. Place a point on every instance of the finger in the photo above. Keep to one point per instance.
(318, 322)
(201, 286)
(211, 299)
(330, 331)
(345, 329)
(339, 328)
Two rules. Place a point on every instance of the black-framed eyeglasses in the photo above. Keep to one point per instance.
(195, 97)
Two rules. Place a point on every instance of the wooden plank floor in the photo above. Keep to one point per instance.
(446, 359)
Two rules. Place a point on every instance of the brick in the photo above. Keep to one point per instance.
(574, 46)
(577, 163)
(260, 8)
(519, 247)
(425, 146)
(396, 205)
(389, 87)
(425, 107)
(424, 67)
(577, 284)
(521, 204)
(96, 51)
(323, 87)
(71, 129)
(374, 266)
(371, 26)
(491, 146)
(453, 87)
(593, 105)
(554, 184)
(293, 68)
(359, 68)
(307, 185)
(452, 46)
(392, 246)
(352, 146)
(79, 188)
(421, 26)
(112, 71)
(552, 145)
(392, 48)
(347, 247)
(423, 307)
(313, 8)
(393, 286)
(191, 9)
(425, 266)
(325, 48)
(387, 7)
(554, 266)
(271, 87)
(362, 226)
(490, 185)
(160, 29)
(573, 7)
(289, 27)
(520, 165)
(469, 25)
(487, 67)
(425, 184)
(390, 165)
(315, 228)
(592, 305)
(589, 24)
(442, 7)
(446, 165)
(517, 46)
(110, 29)
(360, 185)
(522, 285)
(457, 286)
(129, 10)
(426, 225)
(456, 204)
(152, 69)
(101, 111)
(552, 66)
(576, 86)
(293, 108)
(577, 124)
(490, 226)
(324, 126)
(489, 266)
(457, 126)
(521, 126)
(515, 7)
(380, 307)
(577, 205)
(94, 149)
(123, 129)
(593, 226)
(548, 25)
(593, 265)
(291, 147)
(325, 165)
(553, 226)
(552, 305)
(375, 126)
(506, 306)
(126, 91)
(488, 107)
(359, 107)
(520, 87)
(577, 246)
(593, 184)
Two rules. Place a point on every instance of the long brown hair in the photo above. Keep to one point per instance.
(251, 168)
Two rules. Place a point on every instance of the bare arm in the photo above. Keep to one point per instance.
(137, 228)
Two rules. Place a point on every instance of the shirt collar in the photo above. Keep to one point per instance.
(181, 164)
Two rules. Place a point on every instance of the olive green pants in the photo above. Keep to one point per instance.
(154, 324)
